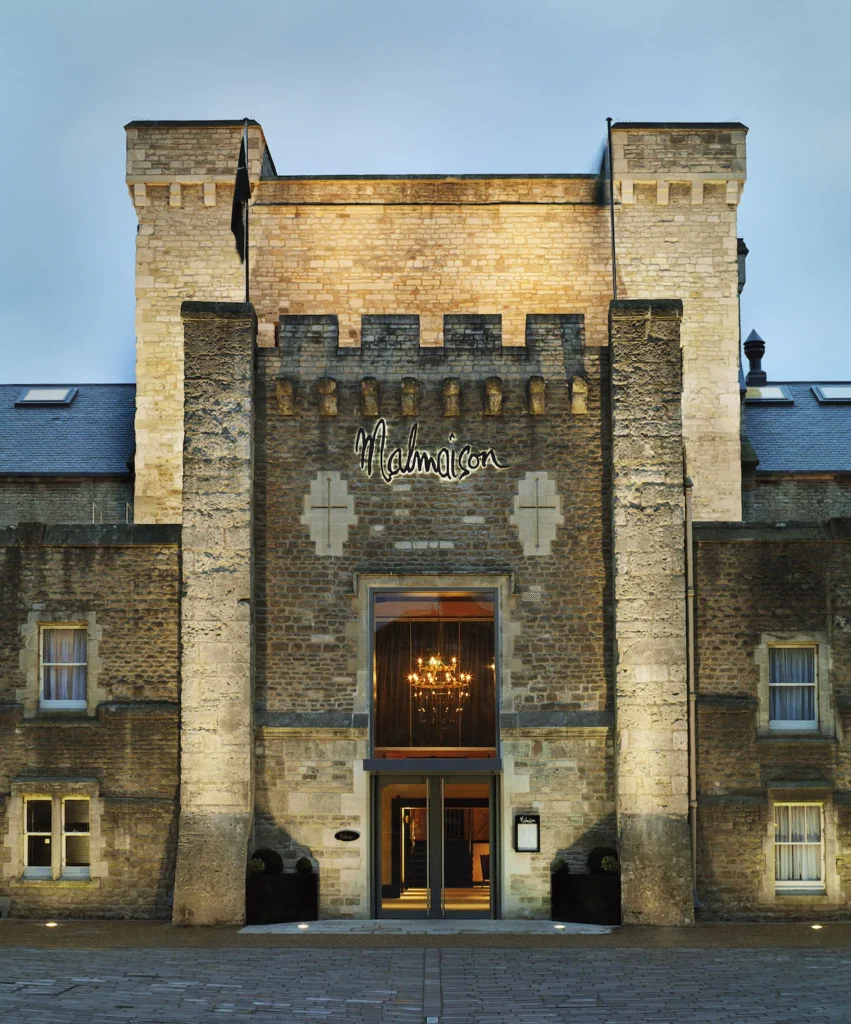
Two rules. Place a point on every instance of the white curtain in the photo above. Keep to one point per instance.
(798, 844)
(792, 684)
(64, 664)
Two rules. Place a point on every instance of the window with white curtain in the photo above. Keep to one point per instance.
(799, 846)
(792, 687)
(64, 661)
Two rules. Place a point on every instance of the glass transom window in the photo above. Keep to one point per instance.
(798, 846)
(792, 696)
(434, 673)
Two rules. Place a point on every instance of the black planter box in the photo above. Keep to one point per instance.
(274, 899)
(586, 899)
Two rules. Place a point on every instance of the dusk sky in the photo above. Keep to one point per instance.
(377, 86)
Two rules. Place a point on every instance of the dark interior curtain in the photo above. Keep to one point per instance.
(398, 644)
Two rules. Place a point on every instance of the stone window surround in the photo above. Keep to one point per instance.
(786, 898)
(824, 698)
(29, 695)
(506, 629)
(55, 788)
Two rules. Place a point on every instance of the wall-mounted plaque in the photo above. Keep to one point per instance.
(527, 833)
(347, 835)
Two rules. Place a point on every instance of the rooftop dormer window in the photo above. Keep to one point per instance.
(46, 396)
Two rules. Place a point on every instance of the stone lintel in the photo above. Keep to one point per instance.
(217, 311)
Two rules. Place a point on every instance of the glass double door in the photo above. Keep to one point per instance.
(435, 846)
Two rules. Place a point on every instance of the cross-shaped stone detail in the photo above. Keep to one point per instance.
(329, 511)
(537, 513)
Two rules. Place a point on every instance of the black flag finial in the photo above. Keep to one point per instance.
(241, 199)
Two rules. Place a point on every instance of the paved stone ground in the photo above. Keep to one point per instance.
(448, 986)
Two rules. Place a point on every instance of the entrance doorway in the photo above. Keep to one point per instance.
(435, 846)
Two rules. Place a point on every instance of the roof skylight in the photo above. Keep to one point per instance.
(46, 396)
(767, 393)
(832, 392)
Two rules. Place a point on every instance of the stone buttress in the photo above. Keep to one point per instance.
(650, 625)
(216, 787)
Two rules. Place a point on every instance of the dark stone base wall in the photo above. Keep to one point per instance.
(753, 581)
(65, 500)
(796, 499)
(128, 749)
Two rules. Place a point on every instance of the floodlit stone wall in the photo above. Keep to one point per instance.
(180, 180)
(432, 247)
(312, 615)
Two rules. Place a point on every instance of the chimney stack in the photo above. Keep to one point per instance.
(754, 351)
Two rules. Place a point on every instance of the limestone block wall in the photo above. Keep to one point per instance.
(126, 754)
(785, 582)
(432, 247)
(311, 784)
(679, 187)
(216, 784)
(567, 776)
(180, 176)
(650, 624)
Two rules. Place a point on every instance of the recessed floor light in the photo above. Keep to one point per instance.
(304, 926)
(816, 927)
(50, 924)
(559, 927)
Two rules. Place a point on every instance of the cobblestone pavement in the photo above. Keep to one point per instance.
(447, 986)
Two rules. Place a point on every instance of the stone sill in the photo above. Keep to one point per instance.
(794, 897)
(56, 883)
(61, 718)
(797, 737)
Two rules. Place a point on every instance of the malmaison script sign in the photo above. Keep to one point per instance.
(451, 462)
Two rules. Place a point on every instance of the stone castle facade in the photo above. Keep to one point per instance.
(432, 403)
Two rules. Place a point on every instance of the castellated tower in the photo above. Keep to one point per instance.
(180, 176)
(679, 186)
(435, 245)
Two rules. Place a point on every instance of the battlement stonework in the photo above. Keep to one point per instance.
(438, 247)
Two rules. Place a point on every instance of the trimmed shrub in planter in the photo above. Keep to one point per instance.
(594, 898)
(273, 898)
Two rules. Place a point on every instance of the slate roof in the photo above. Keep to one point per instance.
(804, 435)
(93, 436)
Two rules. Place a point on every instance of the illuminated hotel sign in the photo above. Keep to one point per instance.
(447, 463)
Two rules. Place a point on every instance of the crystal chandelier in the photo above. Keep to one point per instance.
(439, 692)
